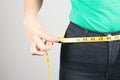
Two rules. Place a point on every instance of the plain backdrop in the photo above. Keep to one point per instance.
(16, 62)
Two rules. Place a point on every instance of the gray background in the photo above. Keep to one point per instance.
(16, 62)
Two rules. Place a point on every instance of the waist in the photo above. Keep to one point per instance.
(80, 29)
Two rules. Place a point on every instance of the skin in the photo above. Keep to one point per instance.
(40, 39)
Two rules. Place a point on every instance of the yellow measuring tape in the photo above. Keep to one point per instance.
(48, 64)
(82, 39)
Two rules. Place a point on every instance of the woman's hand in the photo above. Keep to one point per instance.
(40, 40)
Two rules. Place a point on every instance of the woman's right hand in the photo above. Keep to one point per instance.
(40, 40)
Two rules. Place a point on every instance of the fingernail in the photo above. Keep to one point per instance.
(34, 54)
(37, 54)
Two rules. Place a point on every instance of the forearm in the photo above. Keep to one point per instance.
(31, 8)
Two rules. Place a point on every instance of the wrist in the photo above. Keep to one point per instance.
(29, 19)
(30, 16)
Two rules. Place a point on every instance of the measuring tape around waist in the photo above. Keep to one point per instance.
(90, 39)
(80, 40)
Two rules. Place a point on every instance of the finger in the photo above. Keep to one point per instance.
(48, 37)
(44, 34)
(40, 54)
(40, 44)
(35, 50)
(48, 45)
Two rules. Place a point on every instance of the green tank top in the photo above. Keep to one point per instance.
(96, 15)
